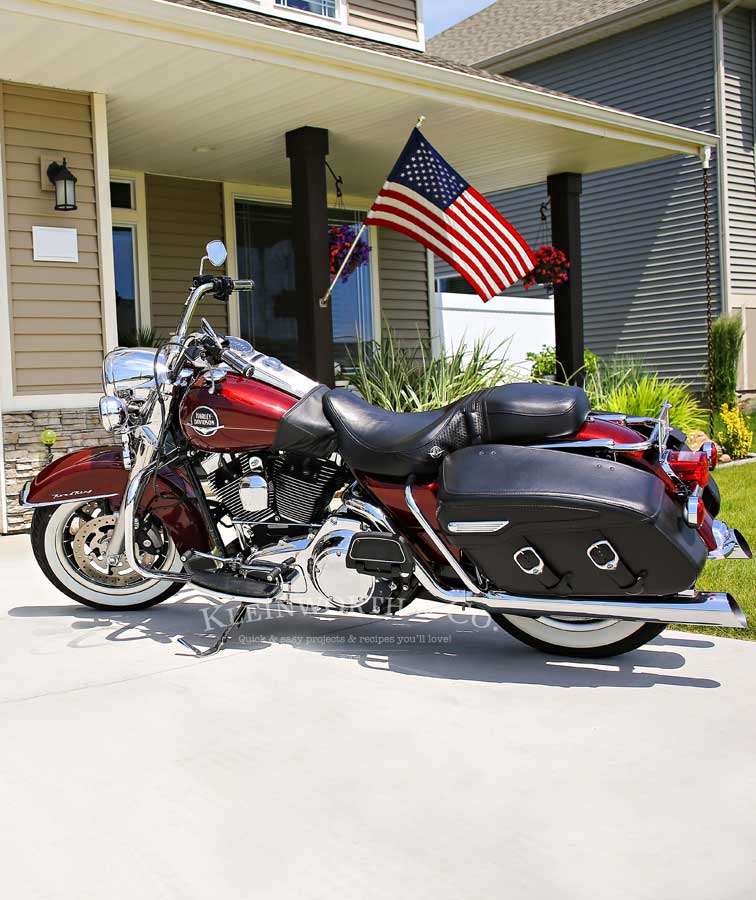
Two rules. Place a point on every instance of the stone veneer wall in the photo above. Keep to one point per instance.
(25, 455)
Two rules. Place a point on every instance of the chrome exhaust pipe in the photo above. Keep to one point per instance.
(730, 542)
(713, 609)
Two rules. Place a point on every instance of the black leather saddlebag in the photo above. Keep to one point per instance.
(540, 522)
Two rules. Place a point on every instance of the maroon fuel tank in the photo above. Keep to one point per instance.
(242, 414)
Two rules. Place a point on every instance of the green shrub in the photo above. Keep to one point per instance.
(608, 376)
(726, 344)
(645, 396)
(142, 337)
(735, 436)
(545, 364)
(409, 379)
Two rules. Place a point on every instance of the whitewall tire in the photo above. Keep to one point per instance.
(573, 636)
(53, 534)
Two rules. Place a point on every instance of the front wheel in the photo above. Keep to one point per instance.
(70, 544)
(579, 636)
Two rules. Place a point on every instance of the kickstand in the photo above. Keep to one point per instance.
(236, 622)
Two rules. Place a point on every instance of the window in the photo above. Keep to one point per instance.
(132, 290)
(319, 7)
(351, 303)
(269, 317)
(125, 282)
(122, 195)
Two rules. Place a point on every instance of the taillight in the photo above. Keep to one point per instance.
(691, 467)
(712, 454)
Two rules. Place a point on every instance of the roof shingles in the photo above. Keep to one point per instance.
(330, 34)
(509, 24)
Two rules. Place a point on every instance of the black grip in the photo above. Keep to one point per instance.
(237, 363)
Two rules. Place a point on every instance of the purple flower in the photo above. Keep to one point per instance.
(341, 238)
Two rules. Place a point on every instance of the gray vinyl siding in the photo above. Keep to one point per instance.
(403, 276)
(741, 174)
(642, 226)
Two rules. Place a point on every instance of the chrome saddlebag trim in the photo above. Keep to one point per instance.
(477, 527)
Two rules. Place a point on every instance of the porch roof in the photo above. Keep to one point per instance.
(185, 74)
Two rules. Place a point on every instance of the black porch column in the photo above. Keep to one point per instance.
(307, 149)
(564, 191)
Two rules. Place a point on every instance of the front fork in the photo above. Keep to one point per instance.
(127, 523)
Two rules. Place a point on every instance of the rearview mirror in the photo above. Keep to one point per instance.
(217, 253)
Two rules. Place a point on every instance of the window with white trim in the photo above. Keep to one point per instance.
(318, 7)
(125, 215)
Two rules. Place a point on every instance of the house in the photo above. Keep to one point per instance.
(687, 62)
(187, 120)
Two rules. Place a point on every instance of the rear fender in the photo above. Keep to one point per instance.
(98, 473)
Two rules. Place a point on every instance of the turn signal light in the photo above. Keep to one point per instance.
(695, 511)
(691, 467)
(712, 454)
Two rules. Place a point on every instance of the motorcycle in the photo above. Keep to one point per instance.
(580, 532)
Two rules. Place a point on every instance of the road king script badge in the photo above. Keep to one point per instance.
(205, 421)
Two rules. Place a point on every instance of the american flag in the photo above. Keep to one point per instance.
(427, 200)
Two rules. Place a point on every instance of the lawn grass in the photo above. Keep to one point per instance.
(737, 577)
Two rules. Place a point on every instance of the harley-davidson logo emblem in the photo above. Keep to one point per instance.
(205, 421)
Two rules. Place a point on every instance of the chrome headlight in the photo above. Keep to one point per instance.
(113, 412)
(130, 372)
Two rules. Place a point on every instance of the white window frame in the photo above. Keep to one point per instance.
(282, 197)
(340, 22)
(136, 219)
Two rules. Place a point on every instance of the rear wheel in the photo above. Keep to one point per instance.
(579, 636)
(70, 544)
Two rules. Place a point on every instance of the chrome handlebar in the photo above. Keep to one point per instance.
(197, 293)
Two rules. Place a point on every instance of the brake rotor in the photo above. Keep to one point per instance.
(90, 552)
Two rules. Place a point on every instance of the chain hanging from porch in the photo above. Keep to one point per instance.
(348, 250)
(706, 167)
(338, 182)
(552, 265)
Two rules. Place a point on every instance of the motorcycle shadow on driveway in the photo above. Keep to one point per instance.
(459, 646)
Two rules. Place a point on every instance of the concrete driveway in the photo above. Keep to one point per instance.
(336, 756)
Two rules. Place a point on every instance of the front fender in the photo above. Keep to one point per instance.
(98, 473)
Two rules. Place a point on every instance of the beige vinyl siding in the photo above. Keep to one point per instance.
(403, 274)
(56, 308)
(395, 17)
(182, 217)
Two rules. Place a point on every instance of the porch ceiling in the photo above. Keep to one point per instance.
(178, 78)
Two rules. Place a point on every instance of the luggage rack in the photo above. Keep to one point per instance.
(658, 438)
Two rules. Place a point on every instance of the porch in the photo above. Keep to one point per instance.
(175, 121)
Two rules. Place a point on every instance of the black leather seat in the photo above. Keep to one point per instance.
(375, 440)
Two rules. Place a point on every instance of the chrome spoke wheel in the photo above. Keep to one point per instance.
(74, 543)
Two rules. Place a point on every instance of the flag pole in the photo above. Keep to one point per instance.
(323, 302)
(327, 296)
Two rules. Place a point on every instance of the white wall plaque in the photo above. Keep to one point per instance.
(55, 244)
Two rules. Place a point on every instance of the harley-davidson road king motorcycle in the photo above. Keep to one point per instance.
(580, 532)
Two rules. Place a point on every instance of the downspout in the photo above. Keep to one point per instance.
(721, 124)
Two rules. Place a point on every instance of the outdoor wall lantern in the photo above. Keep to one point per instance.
(65, 186)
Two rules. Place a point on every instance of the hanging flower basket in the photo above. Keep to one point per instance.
(551, 268)
(341, 238)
